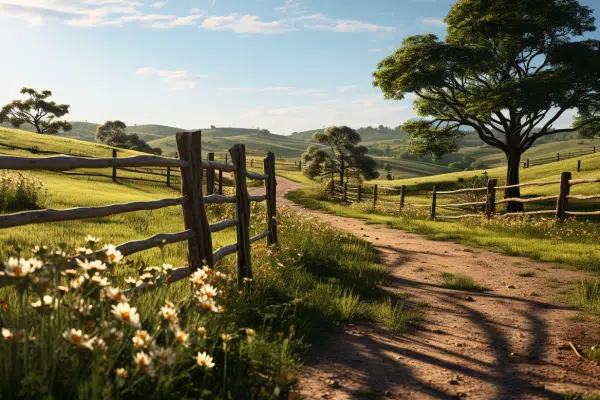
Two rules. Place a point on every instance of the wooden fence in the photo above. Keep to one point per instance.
(559, 156)
(197, 231)
(487, 203)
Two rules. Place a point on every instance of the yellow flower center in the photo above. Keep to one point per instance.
(75, 338)
(18, 271)
(164, 357)
(125, 315)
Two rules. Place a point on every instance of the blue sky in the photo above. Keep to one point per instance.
(284, 65)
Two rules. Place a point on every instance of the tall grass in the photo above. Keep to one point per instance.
(573, 242)
(19, 191)
(586, 296)
(460, 282)
(303, 289)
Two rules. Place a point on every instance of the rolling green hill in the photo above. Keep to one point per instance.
(387, 145)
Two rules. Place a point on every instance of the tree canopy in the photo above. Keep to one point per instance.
(36, 111)
(339, 153)
(507, 70)
(113, 133)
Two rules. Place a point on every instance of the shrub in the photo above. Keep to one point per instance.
(460, 282)
(20, 192)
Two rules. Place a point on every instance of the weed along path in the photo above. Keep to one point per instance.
(511, 341)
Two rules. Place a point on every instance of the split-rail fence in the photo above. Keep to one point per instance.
(197, 231)
(487, 204)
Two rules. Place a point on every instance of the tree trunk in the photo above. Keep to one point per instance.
(512, 178)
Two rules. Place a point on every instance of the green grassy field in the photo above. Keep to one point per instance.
(220, 139)
(301, 292)
(573, 243)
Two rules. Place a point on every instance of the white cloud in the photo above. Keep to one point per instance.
(175, 79)
(195, 11)
(258, 90)
(244, 24)
(158, 4)
(322, 22)
(181, 21)
(305, 91)
(381, 49)
(290, 6)
(253, 24)
(346, 88)
(325, 102)
(91, 13)
(438, 22)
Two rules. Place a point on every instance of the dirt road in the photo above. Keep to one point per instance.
(508, 342)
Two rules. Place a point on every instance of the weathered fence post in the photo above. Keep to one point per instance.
(359, 196)
(557, 156)
(490, 201)
(345, 191)
(242, 211)
(562, 201)
(210, 176)
(402, 195)
(189, 146)
(433, 200)
(220, 181)
(332, 185)
(271, 192)
(114, 171)
(252, 163)
(594, 149)
(528, 163)
(578, 165)
(226, 157)
(375, 196)
(300, 165)
(168, 176)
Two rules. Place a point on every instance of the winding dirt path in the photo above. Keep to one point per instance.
(508, 342)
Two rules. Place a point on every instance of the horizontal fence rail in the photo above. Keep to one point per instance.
(191, 170)
(480, 198)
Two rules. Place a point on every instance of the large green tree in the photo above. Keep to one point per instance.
(507, 69)
(113, 133)
(36, 111)
(339, 153)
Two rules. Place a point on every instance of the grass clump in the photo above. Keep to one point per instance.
(526, 274)
(394, 317)
(586, 296)
(20, 192)
(460, 282)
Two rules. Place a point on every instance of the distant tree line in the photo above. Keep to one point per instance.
(113, 133)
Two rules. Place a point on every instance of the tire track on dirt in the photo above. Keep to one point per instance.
(508, 342)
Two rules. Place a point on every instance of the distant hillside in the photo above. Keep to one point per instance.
(387, 145)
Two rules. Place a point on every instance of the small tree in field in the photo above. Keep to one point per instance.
(507, 70)
(36, 111)
(113, 133)
(388, 169)
(344, 156)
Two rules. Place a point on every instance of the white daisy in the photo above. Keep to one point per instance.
(204, 360)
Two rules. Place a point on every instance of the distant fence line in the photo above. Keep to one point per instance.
(197, 231)
(358, 195)
(168, 176)
(559, 156)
